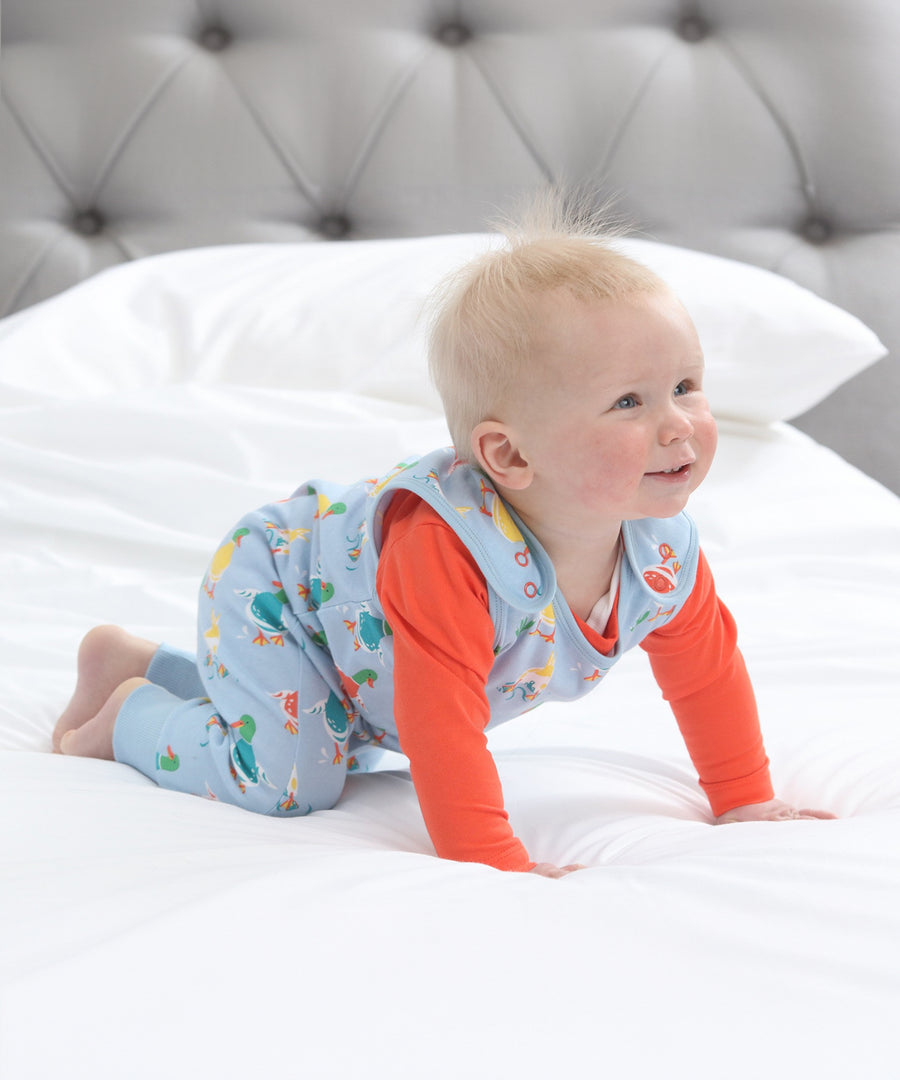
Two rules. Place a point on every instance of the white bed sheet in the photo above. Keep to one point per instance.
(147, 933)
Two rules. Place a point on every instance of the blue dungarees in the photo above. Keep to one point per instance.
(292, 680)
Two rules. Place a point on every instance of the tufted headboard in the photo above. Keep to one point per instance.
(764, 130)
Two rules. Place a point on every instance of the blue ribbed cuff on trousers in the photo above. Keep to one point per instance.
(176, 671)
(139, 725)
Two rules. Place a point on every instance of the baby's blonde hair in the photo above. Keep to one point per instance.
(484, 321)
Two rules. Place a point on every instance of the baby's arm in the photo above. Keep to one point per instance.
(703, 676)
(435, 600)
(721, 730)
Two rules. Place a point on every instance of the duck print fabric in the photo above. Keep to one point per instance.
(293, 672)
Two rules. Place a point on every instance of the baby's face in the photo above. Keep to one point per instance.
(614, 420)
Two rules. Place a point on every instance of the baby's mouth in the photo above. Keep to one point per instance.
(681, 468)
(678, 470)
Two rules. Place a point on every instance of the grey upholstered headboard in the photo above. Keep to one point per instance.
(765, 130)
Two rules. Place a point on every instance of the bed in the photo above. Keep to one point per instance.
(200, 316)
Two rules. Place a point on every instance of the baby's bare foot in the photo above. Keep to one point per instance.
(108, 656)
(95, 737)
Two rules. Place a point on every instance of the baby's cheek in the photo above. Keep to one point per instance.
(713, 436)
(710, 433)
(706, 437)
(706, 431)
(615, 469)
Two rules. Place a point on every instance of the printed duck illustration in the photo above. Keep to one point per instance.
(532, 683)
(288, 800)
(264, 609)
(317, 593)
(244, 767)
(504, 522)
(368, 632)
(280, 539)
(326, 508)
(337, 723)
(288, 699)
(213, 638)
(169, 761)
(351, 685)
(221, 560)
(546, 625)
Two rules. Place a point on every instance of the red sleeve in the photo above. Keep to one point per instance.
(702, 675)
(436, 601)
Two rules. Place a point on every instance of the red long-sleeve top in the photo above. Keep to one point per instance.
(435, 599)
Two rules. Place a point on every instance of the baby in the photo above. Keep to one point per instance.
(415, 610)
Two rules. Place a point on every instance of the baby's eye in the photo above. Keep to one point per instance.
(628, 401)
(684, 387)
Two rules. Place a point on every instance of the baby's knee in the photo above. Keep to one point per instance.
(305, 794)
(292, 791)
(263, 771)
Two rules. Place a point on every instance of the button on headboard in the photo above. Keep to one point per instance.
(766, 130)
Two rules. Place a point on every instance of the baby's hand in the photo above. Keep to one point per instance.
(546, 869)
(773, 810)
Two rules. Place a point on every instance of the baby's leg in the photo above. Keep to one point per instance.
(255, 723)
(108, 655)
(264, 728)
(272, 752)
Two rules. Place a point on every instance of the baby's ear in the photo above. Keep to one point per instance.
(495, 449)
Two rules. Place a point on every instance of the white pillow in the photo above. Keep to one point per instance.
(347, 316)
(773, 349)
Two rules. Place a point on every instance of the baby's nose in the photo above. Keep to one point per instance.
(676, 426)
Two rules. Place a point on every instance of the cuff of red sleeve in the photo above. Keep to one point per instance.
(513, 858)
(746, 790)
